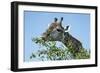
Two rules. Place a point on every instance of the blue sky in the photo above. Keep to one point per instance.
(35, 23)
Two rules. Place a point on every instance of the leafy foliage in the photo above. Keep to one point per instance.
(50, 51)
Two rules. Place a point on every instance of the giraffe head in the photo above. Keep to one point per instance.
(55, 32)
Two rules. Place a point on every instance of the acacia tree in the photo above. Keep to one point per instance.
(50, 51)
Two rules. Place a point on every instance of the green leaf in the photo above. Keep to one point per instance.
(52, 52)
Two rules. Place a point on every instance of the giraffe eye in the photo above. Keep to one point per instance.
(48, 34)
(59, 30)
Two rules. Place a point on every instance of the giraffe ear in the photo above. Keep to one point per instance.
(67, 28)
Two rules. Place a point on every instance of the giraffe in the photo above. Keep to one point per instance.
(56, 32)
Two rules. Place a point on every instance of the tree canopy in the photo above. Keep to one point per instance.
(50, 51)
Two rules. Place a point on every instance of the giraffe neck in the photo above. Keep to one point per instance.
(71, 43)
